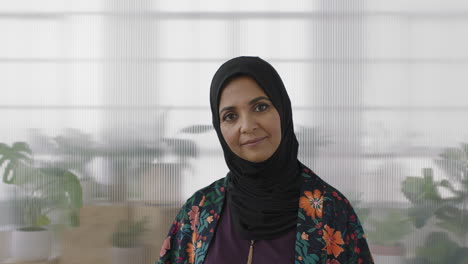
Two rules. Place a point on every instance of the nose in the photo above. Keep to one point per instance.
(248, 124)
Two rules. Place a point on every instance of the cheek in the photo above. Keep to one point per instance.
(275, 129)
(229, 136)
(278, 135)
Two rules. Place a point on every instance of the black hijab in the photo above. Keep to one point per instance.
(263, 196)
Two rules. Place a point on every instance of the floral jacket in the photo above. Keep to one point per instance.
(328, 230)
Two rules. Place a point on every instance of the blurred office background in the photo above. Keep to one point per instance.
(110, 100)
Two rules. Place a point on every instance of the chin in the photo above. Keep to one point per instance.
(257, 158)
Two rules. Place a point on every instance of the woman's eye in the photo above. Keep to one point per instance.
(261, 107)
(229, 117)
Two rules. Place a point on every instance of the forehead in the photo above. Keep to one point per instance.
(240, 90)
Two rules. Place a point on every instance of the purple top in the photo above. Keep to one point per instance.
(228, 247)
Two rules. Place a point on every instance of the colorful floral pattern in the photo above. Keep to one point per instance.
(312, 203)
(333, 241)
(166, 246)
(328, 230)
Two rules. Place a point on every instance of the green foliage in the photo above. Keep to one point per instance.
(196, 129)
(439, 248)
(451, 218)
(16, 155)
(71, 143)
(418, 190)
(424, 194)
(46, 189)
(32, 212)
(128, 234)
(450, 212)
(427, 203)
(389, 230)
(183, 148)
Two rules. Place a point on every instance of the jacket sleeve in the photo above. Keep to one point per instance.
(358, 249)
(175, 248)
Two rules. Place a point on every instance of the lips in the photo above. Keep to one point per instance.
(253, 141)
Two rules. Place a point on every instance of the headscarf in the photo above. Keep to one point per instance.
(263, 196)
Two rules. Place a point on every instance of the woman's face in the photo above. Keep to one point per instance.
(249, 122)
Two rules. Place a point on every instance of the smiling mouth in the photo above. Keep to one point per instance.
(253, 142)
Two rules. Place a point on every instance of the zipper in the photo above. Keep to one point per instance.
(249, 259)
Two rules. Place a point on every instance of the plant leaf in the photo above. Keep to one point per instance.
(18, 153)
(419, 190)
(68, 184)
(9, 171)
(182, 147)
(42, 220)
(439, 248)
(196, 129)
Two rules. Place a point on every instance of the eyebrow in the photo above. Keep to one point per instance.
(251, 102)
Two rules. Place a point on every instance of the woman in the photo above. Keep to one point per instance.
(269, 208)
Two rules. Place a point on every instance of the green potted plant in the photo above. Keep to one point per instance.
(127, 245)
(72, 149)
(438, 248)
(47, 196)
(449, 212)
(385, 235)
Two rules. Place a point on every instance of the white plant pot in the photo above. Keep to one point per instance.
(128, 255)
(388, 254)
(381, 259)
(30, 245)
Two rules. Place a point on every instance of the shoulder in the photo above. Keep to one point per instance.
(179, 242)
(334, 202)
(326, 214)
(217, 186)
(212, 191)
